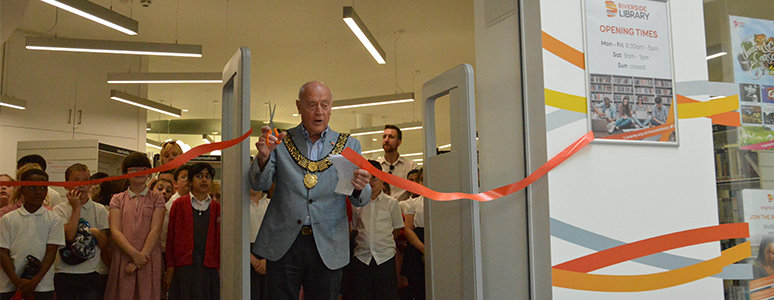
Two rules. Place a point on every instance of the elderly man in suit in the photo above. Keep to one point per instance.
(304, 235)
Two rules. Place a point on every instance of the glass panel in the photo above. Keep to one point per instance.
(739, 48)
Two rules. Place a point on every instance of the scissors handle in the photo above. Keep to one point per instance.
(275, 132)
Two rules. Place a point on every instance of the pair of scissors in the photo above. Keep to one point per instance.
(273, 131)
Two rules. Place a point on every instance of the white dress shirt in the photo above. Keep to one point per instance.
(416, 207)
(401, 169)
(200, 205)
(257, 211)
(375, 223)
(25, 233)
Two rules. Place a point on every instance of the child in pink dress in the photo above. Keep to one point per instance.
(136, 216)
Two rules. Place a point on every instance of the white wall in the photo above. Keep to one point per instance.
(60, 86)
(633, 192)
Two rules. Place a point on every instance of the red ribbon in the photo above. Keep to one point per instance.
(178, 161)
(502, 191)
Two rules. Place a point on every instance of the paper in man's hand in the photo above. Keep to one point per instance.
(346, 170)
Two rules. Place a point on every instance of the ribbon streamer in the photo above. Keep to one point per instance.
(178, 161)
(416, 188)
(654, 245)
(563, 51)
(694, 109)
(648, 282)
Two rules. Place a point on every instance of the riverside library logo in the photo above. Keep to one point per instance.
(625, 10)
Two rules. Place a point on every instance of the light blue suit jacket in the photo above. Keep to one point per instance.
(292, 202)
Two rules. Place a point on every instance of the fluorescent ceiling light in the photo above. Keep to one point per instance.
(113, 47)
(373, 101)
(152, 144)
(403, 155)
(380, 129)
(361, 32)
(444, 146)
(144, 103)
(204, 77)
(12, 102)
(418, 159)
(719, 54)
(98, 14)
(371, 151)
(413, 154)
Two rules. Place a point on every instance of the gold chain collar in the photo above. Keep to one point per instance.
(319, 165)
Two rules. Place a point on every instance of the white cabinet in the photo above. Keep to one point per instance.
(68, 98)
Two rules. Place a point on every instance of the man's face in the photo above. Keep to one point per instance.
(607, 101)
(390, 141)
(315, 108)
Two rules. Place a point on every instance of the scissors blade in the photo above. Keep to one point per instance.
(271, 116)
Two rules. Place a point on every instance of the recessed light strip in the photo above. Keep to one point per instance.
(380, 129)
(99, 14)
(132, 78)
(361, 32)
(716, 55)
(144, 103)
(113, 47)
(13, 102)
(373, 101)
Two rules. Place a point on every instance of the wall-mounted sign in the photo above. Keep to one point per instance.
(629, 71)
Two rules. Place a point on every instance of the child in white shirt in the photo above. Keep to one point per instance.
(30, 233)
(80, 280)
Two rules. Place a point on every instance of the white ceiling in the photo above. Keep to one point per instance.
(292, 42)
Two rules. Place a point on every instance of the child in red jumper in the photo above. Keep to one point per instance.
(193, 240)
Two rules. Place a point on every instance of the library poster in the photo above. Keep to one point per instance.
(752, 51)
(629, 65)
(758, 212)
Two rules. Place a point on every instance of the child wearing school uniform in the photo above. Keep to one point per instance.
(193, 241)
(79, 279)
(136, 216)
(374, 275)
(29, 239)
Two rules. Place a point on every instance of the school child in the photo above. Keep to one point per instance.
(5, 190)
(193, 240)
(29, 239)
(181, 189)
(136, 216)
(373, 268)
(85, 228)
(163, 187)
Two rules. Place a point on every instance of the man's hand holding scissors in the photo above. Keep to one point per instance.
(270, 138)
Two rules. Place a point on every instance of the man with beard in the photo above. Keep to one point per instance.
(392, 162)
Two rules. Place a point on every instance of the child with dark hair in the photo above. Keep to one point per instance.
(136, 216)
(86, 233)
(29, 238)
(374, 274)
(193, 240)
(163, 187)
(52, 196)
(182, 188)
